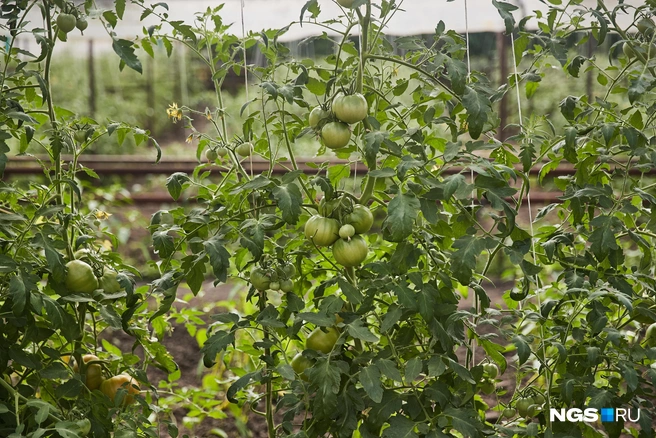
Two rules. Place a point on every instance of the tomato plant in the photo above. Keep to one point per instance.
(56, 240)
(120, 389)
(452, 204)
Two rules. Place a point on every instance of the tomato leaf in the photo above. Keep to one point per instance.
(401, 214)
(125, 50)
(400, 427)
(478, 106)
(289, 201)
(370, 378)
(240, 384)
(216, 343)
(219, 259)
(357, 330)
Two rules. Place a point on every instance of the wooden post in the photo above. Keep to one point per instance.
(502, 52)
(92, 81)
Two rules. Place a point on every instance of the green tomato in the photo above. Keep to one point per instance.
(538, 399)
(222, 152)
(80, 277)
(650, 335)
(645, 27)
(628, 50)
(509, 412)
(109, 283)
(322, 231)
(301, 363)
(66, 22)
(346, 3)
(260, 279)
(289, 270)
(361, 219)
(487, 386)
(346, 231)
(244, 149)
(322, 341)
(286, 285)
(523, 404)
(351, 252)
(80, 135)
(335, 135)
(350, 109)
(211, 155)
(274, 285)
(491, 370)
(317, 115)
(81, 24)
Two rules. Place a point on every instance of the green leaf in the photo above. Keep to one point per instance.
(389, 369)
(357, 330)
(370, 379)
(523, 348)
(163, 243)
(19, 294)
(457, 71)
(338, 172)
(372, 142)
(175, 183)
(70, 389)
(400, 427)
(465, 421)
(120, 8)
(463, 261)
(413, 369)
(125, 50)
(495, 352)
(111, 317)
(316, 87)
(505, 10)
(240, 384)
(219, 258)
(216, 343)
(289, 201)
(402, 212)
(478, 106)
(351, 292)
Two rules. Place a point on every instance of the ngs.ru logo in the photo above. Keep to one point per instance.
(591, 415)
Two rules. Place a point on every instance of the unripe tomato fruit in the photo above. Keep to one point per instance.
(211, 155)
(351, 252)
(300, 363)
(109, 283)
(317, 115)
(322, 341)
(346, 231)
(538, 399)
(81, 24)
(361, 219)
(286, 285)
(260, 279)
(94, 372)
(322, 231)
(487, 386)
(80, 277)
(523, 405)
(80, 135)
(111, 386)
(274, 285)
(628, 50)
(491, 370)
(66, 22)
(350, 109)
(645, 27)
(650, 335)
(335, 135)
(222, 152)
(289, 270)
(244, 149)
(509, 412)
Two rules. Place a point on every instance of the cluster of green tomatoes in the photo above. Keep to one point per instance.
(69, 19)
(333, 126)
(341, 224)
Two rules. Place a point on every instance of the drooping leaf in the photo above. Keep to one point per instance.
(402, 212)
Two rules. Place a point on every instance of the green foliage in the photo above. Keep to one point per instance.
(581, 275)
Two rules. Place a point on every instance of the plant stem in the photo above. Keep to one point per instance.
(269, 386)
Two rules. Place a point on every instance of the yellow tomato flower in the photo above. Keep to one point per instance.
(101, 215)
(174, 112)
(190, 138)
